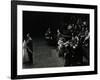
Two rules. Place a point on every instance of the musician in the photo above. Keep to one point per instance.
(64, 35)
(48, 34)
(83, 42)
(69, 45)
(61, 46)
(29, 48)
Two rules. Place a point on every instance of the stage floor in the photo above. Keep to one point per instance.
(44, 55)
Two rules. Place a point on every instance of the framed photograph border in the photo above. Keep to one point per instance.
(14, 39)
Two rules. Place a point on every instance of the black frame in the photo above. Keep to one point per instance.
(14, 39)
